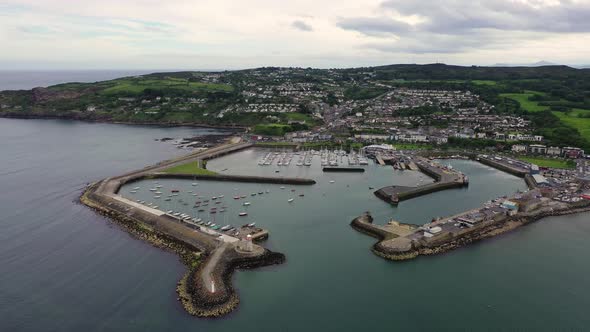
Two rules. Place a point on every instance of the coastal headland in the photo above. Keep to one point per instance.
(211, 257)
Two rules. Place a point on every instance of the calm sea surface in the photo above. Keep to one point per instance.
(64, 268)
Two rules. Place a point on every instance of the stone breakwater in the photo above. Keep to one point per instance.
(206, 290)
(444, 179)
(199, 301)
(188, 253)
(195, 297)
(410, 250)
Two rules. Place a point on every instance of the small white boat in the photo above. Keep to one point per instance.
(246, 203)
(136, 188)
(243, 214)
(220, 196)
(282, 187)
(332, 181)
(194, 184)
(133, 192)
(251, 224)
(290, 200)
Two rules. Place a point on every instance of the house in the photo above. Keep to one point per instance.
(554, 151)
(519, 148)
(537, 149)
(573, 153)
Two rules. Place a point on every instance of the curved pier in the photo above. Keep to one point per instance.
(206, 290)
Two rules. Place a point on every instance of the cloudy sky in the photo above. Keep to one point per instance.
(223, 34)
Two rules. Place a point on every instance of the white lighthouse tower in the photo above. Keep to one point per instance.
(248, 246)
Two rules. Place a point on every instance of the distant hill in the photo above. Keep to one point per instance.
(534, 64)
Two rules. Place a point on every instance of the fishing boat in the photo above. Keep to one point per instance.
(301, 195)
(253, 194)
(260, 192)
(174, 190)
(226, 227)
(242, 214)
(236, 197)
(243, 196)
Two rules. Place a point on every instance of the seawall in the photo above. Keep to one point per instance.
(166, 232)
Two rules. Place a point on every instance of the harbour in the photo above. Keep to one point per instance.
(114, 263)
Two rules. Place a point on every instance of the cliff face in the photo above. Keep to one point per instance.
(43, 94)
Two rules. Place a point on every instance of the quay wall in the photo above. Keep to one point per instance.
(217, 177)
(344, 169)
(503, 167)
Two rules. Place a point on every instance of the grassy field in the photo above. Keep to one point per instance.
(411, 146)
(552, 163)
(484, 82)
(572, 119)
(138, 85)
(189, 168)
(271, 129)
(525, 103)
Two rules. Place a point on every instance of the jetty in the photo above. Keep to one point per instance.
(444, 177)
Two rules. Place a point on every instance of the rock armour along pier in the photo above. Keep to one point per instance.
(209, 295)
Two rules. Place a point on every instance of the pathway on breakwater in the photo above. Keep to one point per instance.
(207, 274)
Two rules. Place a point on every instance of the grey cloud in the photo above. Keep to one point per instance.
(375, 26)
(459, 15)
(453, 26)
(300, 25)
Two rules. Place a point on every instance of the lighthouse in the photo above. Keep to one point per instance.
(246, 244)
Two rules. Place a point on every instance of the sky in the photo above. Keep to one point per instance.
(223, 34)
